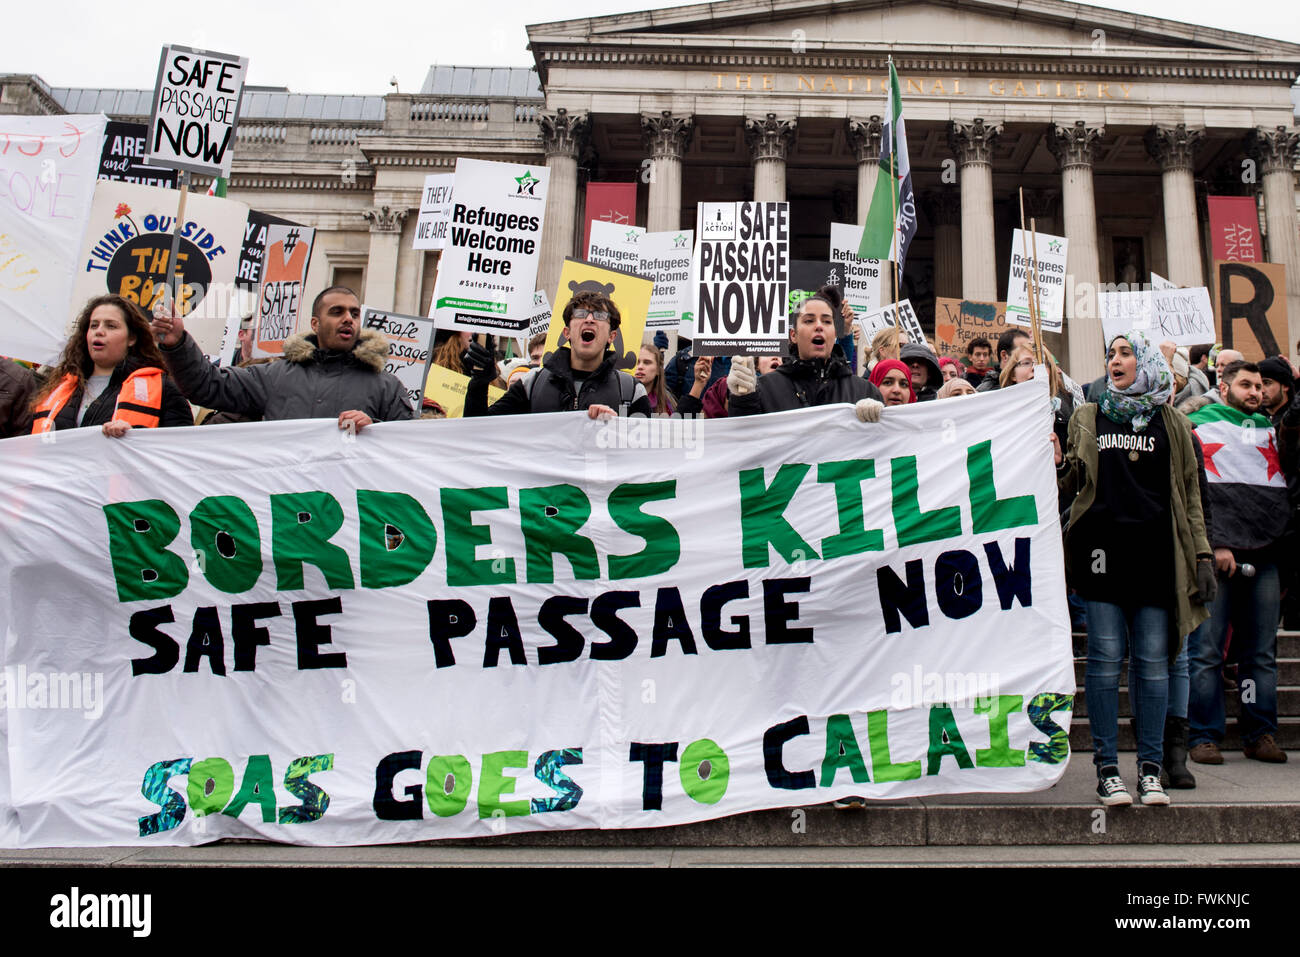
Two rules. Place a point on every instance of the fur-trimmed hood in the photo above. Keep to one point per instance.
(370, 351)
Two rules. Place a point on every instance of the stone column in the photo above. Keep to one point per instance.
(972, 144)
(864, 135)
(1275, 152)
(385, 243)
(1173, 147)
(563, 137)
(1075, 148)
(769, 138)
(943, 209)
(666, 139)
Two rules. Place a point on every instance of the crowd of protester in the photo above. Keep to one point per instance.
(1181, 567)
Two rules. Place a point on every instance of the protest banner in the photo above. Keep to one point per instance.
(128, 244)
(1250, 310)
(1182, 316)
(284, 277)
(742, 278)
(249, 274)
(1050, 252)
(448, 389)
(615, 245)
(435, 211)
(861, 277)
(410, 347)
(488, 269)
(666, 258)
(1234, 229)
(959, 321)
(403, 637)
(629, 292)
(806, 278)
(122, 158)
(609, 203)
(900, 314)
(47, 182)
(195, 110)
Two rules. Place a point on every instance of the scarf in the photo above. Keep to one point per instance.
(885, 366)
(1151, 387)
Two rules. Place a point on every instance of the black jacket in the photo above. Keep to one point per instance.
(553, 388)
(800, 383)
(934, 377)
(175, 410)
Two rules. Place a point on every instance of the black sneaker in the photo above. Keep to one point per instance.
(1110, 788)
(1149, 788)
(851, 804)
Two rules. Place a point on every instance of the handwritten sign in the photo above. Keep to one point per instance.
(195, 110)
(410, 347)
(958, 322)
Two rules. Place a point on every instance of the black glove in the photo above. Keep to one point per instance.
(478, 363)
(1207, 583)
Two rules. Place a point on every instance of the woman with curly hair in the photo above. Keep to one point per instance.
(110, 375)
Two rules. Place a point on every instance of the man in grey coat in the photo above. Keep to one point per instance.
(337, 370)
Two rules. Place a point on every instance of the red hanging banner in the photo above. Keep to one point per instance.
(611, 203)
(1234, 229)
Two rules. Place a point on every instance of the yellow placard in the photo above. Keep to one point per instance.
(448, 389)
(630, 292)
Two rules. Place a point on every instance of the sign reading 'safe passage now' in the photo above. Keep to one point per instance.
(284, 631)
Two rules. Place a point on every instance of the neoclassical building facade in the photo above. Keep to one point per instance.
(1115, 126)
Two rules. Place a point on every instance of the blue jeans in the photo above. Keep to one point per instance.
(1179, 686)
(1144, 633)
(1252, 606)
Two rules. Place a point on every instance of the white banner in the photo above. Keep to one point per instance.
(48, 166)
(1050, 254)
(410, 348)
(435, 211)
(862, 277)
(615, 245)
(284, 631)
(742, 278)
(666, 258)
(488, 270)
(196, 110)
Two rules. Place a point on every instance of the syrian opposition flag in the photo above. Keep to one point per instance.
(892, 214)
(1247, 490)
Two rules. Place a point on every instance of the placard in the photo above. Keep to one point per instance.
(249, 275)
(448, 389)
(666, 258)
(539, 321)
(630, 292)
(435, 211)
(410, 348)
(743, 278)
(1050, 252)
(807, 276)
(195, 110)
(1182, 316)
(122, 158)
(284, 279)
(862, 277)
(957, 322)
(488, 269)
(615, 245)
(900, 314)
(1250, 313)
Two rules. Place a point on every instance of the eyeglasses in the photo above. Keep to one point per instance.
(1025, 364)
(581, 313)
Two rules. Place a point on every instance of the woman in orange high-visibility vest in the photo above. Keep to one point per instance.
(110, 375)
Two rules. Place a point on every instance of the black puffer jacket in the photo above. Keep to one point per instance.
(553, 388)
(801, 383)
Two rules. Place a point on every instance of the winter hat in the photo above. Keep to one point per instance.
(1279, 370)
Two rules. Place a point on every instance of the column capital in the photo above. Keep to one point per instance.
(1074, 145)
(769, 137)
(1173, 147)
(942, 206)
(385, 219)
(1274, 149)
(973, 142)
(563, 134)
(667, 136)
(864, 136)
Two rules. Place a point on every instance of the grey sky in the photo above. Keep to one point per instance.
(352, 47)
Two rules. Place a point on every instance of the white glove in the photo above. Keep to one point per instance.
(742, 380)
(868, 410)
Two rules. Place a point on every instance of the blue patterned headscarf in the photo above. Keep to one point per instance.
(1151, 388)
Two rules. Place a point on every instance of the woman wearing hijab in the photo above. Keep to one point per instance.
(1136, 552)
(894, 380)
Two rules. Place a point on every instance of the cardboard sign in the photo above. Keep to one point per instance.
(958, 322)
(901, 314)
(862, 277)
(630, 292)
(448, 389)
(122, 158)
(742, 278)
(435, 211)
(609, 203)
(47, 183)
(1234, 229)
(284, 277)
(196, 110)
(1051, 254)
(666, 258)
(410, 348)
(1250, 313)
(128, 243)
(615, 245)
(249, 274)
(488, 269)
